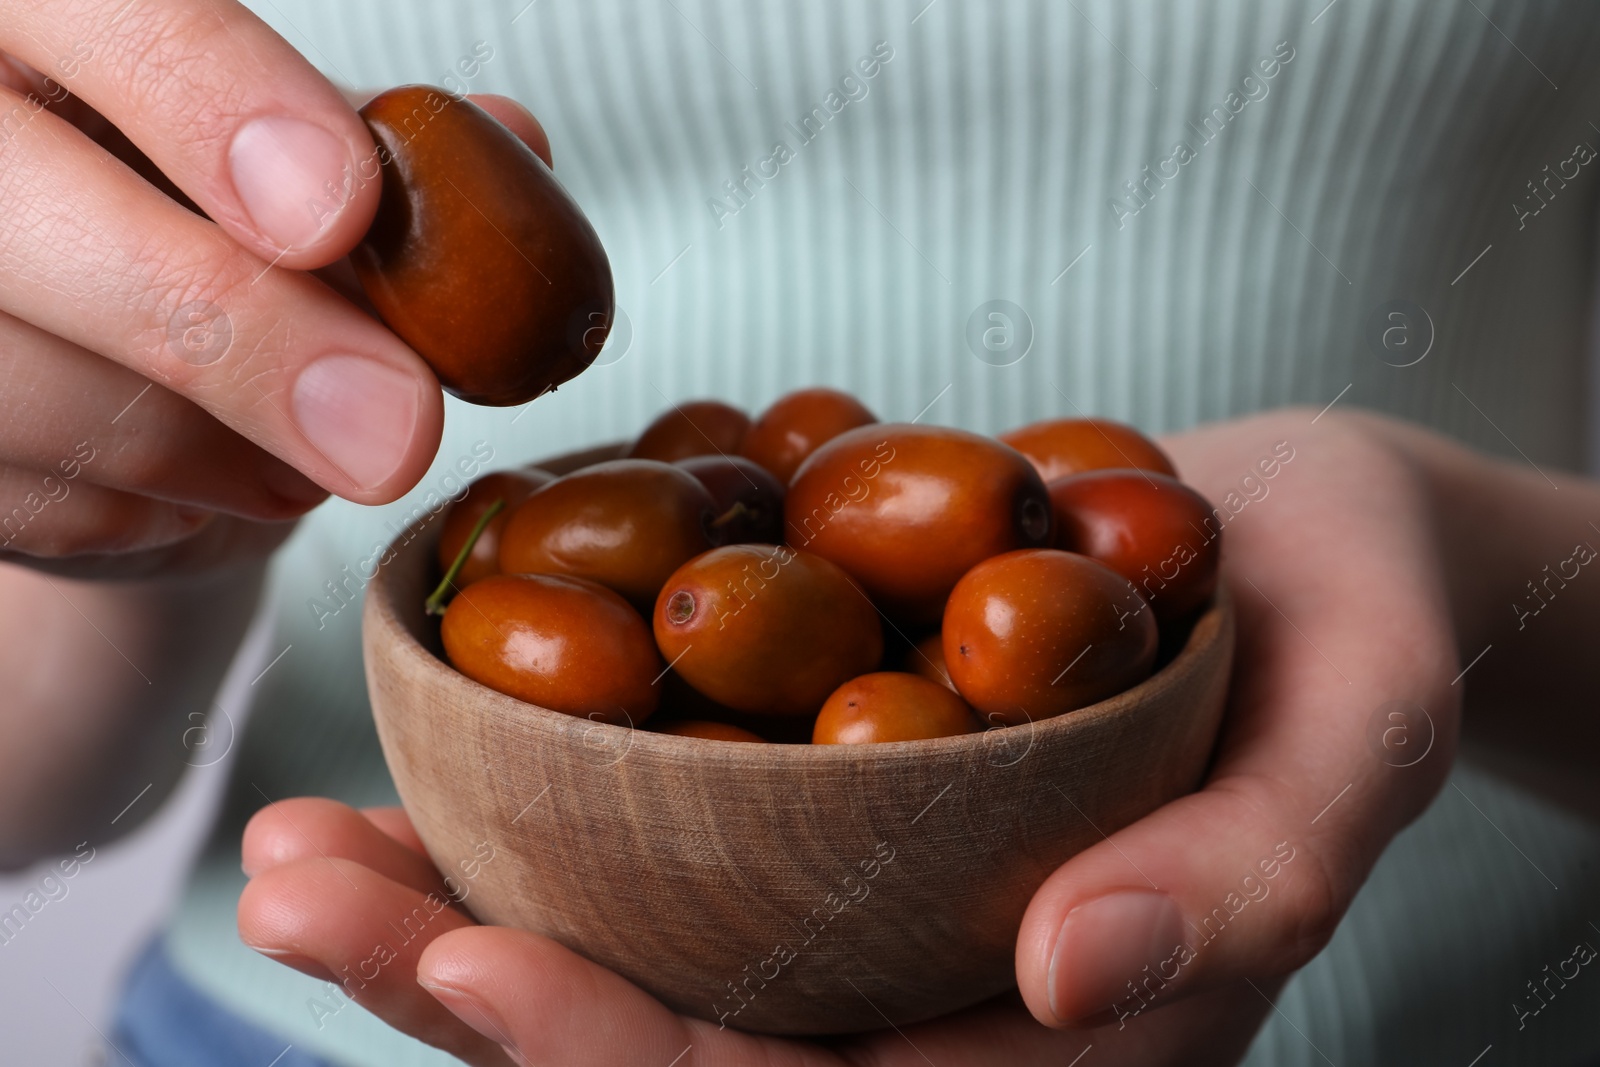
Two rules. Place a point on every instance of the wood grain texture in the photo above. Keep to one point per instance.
(790, 889)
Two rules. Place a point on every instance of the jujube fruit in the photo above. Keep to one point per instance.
(926, 658)
(766, 628)
(511, 486)
(681, 701)
(891, 706)
(693, 428)
(477, 257)
(907, 510)
(626, 523)
(1151, 529)
(1058, 447)
(1035, 633)
(797, 424)
(749, 500)
(710, 731)
(562, 643)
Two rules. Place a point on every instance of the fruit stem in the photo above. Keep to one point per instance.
(737, 511)
(435, 605)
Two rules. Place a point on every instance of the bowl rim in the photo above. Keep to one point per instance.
(382, 622)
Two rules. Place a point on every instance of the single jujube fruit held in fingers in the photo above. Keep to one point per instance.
(799, 423)
(692, 428)
(512, 487)
(891, 706)
(1151, 529)
(1035, 633)
(907, 510)
(477, 258)
(1058, 447)
(562, 643)
(627, 524)
(749, 499)
(766, 628)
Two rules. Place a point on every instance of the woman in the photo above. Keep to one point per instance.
(1193, 214)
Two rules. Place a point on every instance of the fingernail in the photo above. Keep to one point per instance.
(281, 170)
(476, 1014)
(359, 413)
(1103, 948)
(194, 517)
(166, 526)
(303, 964)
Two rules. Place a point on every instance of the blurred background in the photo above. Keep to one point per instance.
(58, 973)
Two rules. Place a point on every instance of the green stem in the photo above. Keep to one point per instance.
(728, 516)
(435, 604)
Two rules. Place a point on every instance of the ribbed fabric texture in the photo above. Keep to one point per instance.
(1380, 161)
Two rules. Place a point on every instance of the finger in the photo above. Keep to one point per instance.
(394, 822)
(72, 414)
(1213, 1029)
(274, 354)
(46, 516)
(1250, 877)
(223, 542)
(553, 1006)
(311, 827)
(224, 106)
(99, 129)
(18, 76)
(341, 922)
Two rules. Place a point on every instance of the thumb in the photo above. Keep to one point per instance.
(1166, 908)
(1248, 878)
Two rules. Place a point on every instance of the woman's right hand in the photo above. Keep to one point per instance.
(175, 387)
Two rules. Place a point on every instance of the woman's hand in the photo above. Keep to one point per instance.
(177, 388)
(1333, 559)
(168, 377)
(327, 882)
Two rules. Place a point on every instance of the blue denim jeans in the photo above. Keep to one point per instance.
(163, 1021)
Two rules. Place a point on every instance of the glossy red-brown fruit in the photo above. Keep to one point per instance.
(907, 510)
(749, 500)
(926, 659)
(797, 424)
(511, 486)
(891, 706)
(1059, 447)
(766, 628)
(1039, 632)
(710, 731)
(626, 523)
(477, 257)
(562, 643)
(1151, 529)
(693, 428)
(681, 701)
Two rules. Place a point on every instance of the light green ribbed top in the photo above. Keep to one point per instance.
(1200, 209)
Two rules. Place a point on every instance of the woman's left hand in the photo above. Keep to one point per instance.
(328, 882)
(1334, 566)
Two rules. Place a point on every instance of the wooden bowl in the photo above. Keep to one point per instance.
(794, 889)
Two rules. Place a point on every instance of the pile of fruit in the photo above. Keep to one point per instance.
(817, 575)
